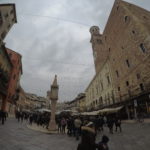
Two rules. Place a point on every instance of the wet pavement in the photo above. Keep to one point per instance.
(16, 136)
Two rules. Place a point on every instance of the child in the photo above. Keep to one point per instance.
(103, 144)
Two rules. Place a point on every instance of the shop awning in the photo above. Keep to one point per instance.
(105, 110)
(92, 113)
(43, 110)
(110, 110)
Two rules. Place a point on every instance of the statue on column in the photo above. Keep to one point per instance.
(53, 97)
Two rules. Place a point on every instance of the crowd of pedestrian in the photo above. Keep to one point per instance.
(41, 119)
(71, 125)
(84, 127)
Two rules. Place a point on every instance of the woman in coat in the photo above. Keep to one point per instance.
(87, 138)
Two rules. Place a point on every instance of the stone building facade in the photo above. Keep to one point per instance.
(35, 102)
(21, 103)
(100, 92)
(98, 45)
(5, 71)
(81, 102)
(14, 82)
(126, 42)
(7, 19)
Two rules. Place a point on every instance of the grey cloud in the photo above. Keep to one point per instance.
(53, 38)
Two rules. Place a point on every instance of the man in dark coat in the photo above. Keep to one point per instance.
(118, 124)
(3, 117)
(110, 123)
(88, 137)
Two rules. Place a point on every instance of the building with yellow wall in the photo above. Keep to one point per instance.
(100, 91)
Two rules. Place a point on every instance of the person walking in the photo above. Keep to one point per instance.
(59, 125)
(118, 124)
(63, 124)
(3, 116)
(96, 124)
(88, 137)
(77, 124)
(69, 126)
(101, 123)
(31, 119)
(110, 123)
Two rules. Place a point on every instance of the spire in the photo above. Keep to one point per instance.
(94, 30)
(54, 89)
(55, 82)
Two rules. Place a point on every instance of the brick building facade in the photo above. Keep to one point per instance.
(5, 71)
(7, 19)
(126, 42)
(14, 83)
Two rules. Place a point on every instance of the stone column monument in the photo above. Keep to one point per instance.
(53, 97)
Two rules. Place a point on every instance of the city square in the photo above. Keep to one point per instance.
(74, 75)
(16, 136)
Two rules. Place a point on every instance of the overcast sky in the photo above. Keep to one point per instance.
(53, 38)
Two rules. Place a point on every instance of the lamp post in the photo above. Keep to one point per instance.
(53, 97)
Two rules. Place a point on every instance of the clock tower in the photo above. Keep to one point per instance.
(98, 47)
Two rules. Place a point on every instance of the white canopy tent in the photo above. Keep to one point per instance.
(43, 110)
(111, 110)
(105, 110)
(72, 112)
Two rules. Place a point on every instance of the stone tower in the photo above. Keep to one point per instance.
(53, 97)
(99, 52)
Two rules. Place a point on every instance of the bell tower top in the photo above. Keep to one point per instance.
(94, 30)
(55, 81)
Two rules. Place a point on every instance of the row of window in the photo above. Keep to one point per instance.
(98, 88)
(141, 86)
(143, 49)
(107, 100)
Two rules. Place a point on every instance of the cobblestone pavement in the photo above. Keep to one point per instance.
(16, 136)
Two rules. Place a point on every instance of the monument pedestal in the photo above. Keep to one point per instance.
(52, 125)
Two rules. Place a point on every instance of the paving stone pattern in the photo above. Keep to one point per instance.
(16, 136)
